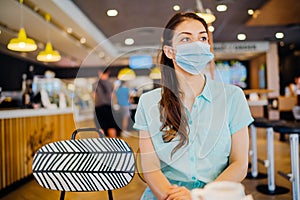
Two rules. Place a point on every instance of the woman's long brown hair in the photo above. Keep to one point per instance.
(173, 117)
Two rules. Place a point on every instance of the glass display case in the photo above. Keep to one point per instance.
(77, 93)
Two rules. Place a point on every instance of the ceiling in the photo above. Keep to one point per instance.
(142, 20)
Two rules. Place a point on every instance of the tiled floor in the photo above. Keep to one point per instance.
(32, 191)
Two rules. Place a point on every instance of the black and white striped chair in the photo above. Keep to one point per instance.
(84, 165)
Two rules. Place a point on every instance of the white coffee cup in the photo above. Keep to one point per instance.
(224, 190)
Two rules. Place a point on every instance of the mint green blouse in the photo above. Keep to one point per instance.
(217, 113)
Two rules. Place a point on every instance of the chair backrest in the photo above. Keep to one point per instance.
(84, 165)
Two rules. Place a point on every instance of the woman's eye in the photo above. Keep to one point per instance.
(203, 39)
(185, 39)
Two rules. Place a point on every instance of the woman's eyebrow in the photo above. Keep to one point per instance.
(184, 33)
(188, 33)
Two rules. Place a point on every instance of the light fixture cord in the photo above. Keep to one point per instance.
(21, 16)
(199, 5)
(48, 18)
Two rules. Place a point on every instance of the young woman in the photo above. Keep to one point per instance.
(193, 130)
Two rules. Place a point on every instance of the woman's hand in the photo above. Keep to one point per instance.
(178, 193)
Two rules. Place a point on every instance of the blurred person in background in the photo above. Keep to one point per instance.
(295, 86)
(102, 93)
(123, 97)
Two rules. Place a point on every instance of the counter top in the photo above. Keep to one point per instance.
(7, 114)
(262, 102)
(258, 91)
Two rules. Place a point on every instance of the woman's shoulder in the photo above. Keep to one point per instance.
(151, 96)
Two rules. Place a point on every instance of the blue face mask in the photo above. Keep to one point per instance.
(193, 57)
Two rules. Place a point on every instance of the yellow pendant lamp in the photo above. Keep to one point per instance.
(155, 73)
(126, 74)
(22, 43)
(48, 55)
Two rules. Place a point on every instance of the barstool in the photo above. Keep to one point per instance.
(254, 174)
(271, 187)
(293, 129)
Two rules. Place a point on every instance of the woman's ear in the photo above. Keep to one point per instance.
(169, 52)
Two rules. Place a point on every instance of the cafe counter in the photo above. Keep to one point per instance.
(23, 132)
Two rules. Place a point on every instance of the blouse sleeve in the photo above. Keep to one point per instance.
(140, 117)
(240, 115)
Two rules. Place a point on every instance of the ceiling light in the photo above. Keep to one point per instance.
(69, 30)
(211, 28)
(49, 55)
(279, 35)
(82, 40)
(204, 13)
(241, 36)
(126, 74)
(36, 9)
(22, 43)
(221, 8)
(129, 41)
(112, 12)
(176, 7)
(250, 12)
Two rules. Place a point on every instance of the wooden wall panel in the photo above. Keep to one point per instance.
(20, 138)
(255, 64)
